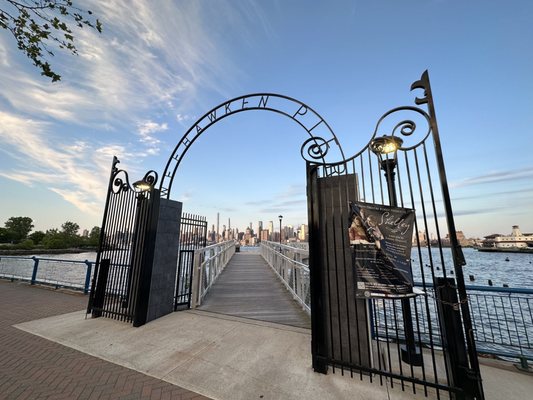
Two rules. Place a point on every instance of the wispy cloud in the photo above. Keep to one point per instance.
(65, 169)
(293, 191)
(497, 176)
(184, 118)
(146, 130)
(149, 64)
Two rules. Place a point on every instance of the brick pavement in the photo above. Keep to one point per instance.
(34, 368)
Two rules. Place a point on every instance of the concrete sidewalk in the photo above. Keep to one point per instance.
(233, 358)
(34, 368)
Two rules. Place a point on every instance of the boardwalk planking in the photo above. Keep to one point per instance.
(249, 288)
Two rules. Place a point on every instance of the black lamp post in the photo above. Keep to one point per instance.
(385, 147)
(280, 219)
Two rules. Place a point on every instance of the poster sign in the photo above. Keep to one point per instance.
(381, 239)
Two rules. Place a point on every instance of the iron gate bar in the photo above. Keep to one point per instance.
(427, 310)
(437, 228)
(102, 229)
(147, 257)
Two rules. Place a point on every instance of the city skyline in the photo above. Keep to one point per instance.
(156, 69)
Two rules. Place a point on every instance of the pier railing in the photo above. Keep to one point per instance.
(209, 262)
(286, 261)
(48, 271)
(502, 317)
(502, 320)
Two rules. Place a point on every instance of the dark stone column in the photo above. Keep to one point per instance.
(162, 286)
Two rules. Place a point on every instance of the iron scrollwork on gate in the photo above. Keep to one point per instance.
(369, 337)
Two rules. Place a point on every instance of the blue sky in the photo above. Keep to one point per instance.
(158, 66)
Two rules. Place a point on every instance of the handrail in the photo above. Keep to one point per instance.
(481, 288)
(292, 272)
(46, 274)
(208, 263)
(502, 316)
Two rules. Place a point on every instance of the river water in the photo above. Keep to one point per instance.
(517, 272)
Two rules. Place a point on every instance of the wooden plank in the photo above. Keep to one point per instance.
(249, 288)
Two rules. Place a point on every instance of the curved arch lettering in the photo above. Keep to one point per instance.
(321, 135)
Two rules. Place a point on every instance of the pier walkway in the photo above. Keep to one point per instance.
(249, 288)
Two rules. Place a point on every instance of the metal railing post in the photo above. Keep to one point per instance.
(87, 276)
(196, 279)
(35, 268)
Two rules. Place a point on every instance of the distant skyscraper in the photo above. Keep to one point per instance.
(218, 226)
(259, 229)
(289, 231)
(271, 229)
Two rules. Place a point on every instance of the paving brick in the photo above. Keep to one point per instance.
(35, 368)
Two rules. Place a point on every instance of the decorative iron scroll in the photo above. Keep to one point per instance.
(315, 147)
(322, 139)
(150, 177)
(121, 180)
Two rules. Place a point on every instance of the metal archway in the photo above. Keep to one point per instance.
(314, 149)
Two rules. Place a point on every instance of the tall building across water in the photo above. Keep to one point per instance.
(259, 230)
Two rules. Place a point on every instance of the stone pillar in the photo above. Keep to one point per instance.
(162, 285)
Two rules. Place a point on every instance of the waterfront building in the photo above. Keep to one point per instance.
(422, 238)
(516, 239)
(248, 236)
(271, 229)
(303, 233)
(264, 235)
(259, 229)
(289, 232)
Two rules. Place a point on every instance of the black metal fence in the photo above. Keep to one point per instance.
(193, 236)
(503, 320)
(125, 239)
(72, 274)
(398, 339)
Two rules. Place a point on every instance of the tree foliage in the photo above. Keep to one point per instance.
(94, 236)
(38, 24)
(36, 237)
(70, 228)
(18, 228)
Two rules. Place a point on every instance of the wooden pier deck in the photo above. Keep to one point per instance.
(249, 288)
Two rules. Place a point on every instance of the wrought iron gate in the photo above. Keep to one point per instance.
(127, 238)
(193, 236)
(368, 337)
